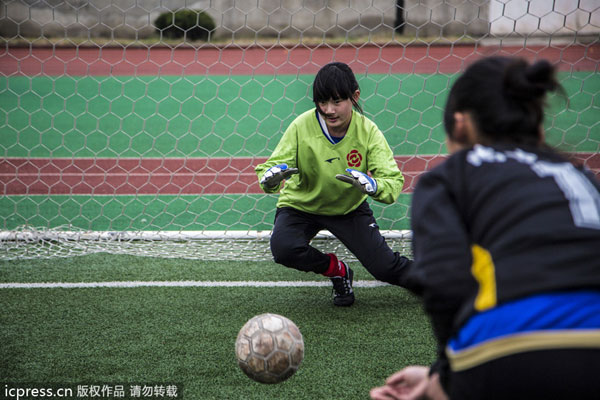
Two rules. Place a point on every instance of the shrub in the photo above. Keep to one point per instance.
(193, 24)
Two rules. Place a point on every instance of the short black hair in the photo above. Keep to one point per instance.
(335, 81)
(505, 96)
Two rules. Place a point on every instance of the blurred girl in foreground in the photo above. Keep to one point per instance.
(506, 237)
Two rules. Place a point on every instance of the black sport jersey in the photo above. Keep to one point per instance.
(493, 224)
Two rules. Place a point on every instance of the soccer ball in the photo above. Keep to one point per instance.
(269, 348)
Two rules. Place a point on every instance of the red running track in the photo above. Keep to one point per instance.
(177, 176)
(258, 60)
(151, 176)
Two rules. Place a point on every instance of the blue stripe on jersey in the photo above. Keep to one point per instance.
(551, 311)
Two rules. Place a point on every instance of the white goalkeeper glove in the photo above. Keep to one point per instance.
(274, 175)
(361, 181)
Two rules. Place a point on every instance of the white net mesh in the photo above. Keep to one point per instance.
(127, 127)
(207, 245)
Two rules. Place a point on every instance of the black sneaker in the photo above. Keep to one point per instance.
(342, 288)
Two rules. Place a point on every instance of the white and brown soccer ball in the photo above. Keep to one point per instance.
(269, 348)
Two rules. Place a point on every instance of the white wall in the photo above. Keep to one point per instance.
(301, 18)
(544, 17)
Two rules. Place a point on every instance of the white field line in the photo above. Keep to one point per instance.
(135, 284)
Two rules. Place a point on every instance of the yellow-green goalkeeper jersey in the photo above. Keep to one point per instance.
(307, 146)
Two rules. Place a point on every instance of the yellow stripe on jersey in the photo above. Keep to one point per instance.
(484, 272)
(520, 343)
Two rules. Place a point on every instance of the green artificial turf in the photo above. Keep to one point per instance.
(186, 336)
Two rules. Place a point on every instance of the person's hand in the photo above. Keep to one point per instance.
(408, 384)
(360, 180)
(434, 390)
(274, 175)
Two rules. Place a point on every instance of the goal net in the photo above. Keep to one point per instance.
(127, 127)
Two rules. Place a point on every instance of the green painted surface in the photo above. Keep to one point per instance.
(135, 213)
(237, 116)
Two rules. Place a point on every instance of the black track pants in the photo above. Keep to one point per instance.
(358, 231)
(567, 374)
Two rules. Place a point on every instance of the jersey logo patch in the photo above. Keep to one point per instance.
(330, 160)
(354, 158)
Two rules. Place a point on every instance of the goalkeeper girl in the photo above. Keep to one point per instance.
(506, 238)
(332, 159)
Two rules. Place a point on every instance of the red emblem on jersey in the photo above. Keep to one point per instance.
(354, 158)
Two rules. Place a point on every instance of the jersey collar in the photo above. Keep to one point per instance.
(323, 125)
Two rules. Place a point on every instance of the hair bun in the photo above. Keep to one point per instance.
(541, 74)
(529, 81)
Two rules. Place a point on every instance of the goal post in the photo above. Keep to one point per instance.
(119, 135)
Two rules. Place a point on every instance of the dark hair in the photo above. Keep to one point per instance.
(335, 81)
(505, 96)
